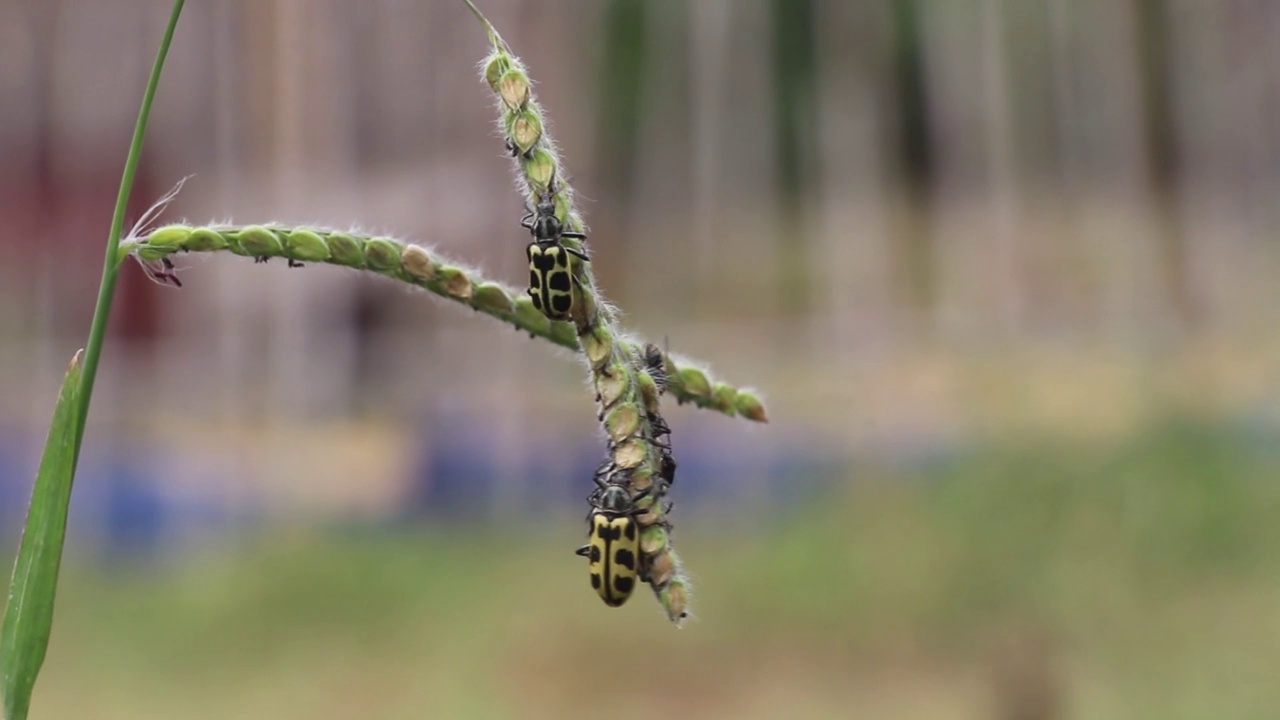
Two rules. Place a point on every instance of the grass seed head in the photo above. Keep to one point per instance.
(205, 240)
(455, 281)
(724, 398)
(409, 263)
(346, 250)
(749, 406)
(494, 66)
(526, 130)
(417, 262)
(258, 241)
(694, 382)
(493, 298)
(530, 316)
(304, 244)
(631, 453)
(622, 422)
(513, 87)
(170, 236)
(675, 598)
(382, 254)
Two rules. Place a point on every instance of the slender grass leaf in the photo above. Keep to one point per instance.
(28, 617)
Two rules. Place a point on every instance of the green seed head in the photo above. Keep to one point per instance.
(494, 66)
(597, 345)
(455, 282)
(305, 244)
(622, 422)
(564, 333)
(724, 398)
(564, 211)
(662, 565)
(170, 236)
(584, 299)
(205, 240)
(539, 169)
(648, 391)
(653, 540)
(694, 381)
(750, 407)
(641, 479)
(258, 241)
(408, 264)
(382, 254)
(675, 598)
(417, 263)
(488, 296)
(345, 250)
(513, 86)
(526, 129)
(631, 454)
(610, 388)
(531, 317)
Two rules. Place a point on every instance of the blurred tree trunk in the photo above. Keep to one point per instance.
(1161, 154)
(1006, 246)
(795, 129)
(912, 260)
(622, 85)
(849, 262)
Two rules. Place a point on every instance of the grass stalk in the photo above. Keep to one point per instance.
(424, 268)
(111, 263)
(28, 617)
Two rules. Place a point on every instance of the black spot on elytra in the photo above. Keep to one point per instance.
(625, 558)
(562, 259)
(561, 303)
(631, 531)
(594, 554)
(623, 584)
(535, 280)
(558, 281)
(544, 262)
(595, 580)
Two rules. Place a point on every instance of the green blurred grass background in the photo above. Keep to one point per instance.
(1042, 578)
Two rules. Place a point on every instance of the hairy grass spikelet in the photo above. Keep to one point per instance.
(412, 264)
(626, 391)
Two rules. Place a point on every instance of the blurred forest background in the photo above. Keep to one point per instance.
(1005, 271)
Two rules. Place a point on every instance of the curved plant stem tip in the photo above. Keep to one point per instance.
(494, 38)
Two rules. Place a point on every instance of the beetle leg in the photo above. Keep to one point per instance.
(578, 253)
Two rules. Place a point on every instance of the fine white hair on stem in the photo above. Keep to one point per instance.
(143, 225)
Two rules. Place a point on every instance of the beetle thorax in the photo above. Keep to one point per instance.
(615, 499)
(547, 227)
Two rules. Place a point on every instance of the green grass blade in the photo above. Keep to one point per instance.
(28, 617)
(111, 266)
